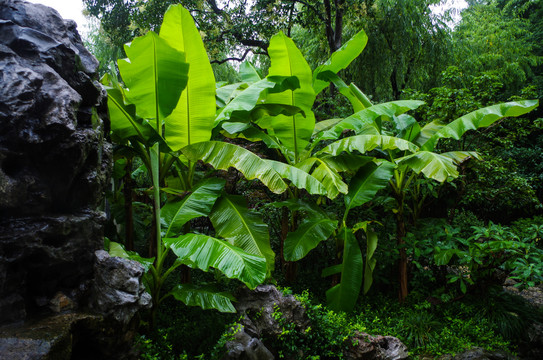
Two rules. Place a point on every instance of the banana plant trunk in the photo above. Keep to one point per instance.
(402, 261)
(128, 209)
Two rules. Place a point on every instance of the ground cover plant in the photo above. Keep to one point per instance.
(411, 199)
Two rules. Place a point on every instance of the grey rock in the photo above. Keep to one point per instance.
(482, 354)
(368, 347)
(54, 163)
(117, 289)
(66, 336)
(245, 347)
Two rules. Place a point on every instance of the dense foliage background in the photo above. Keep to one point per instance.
(460, 236)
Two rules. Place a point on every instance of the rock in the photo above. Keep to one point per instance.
(54, 163)
(245, 347)
(66, 336)
(368, 347)
(258, 307)
(482, 354)
(117, 289)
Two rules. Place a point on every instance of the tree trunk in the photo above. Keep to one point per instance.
(128, 209)
(402, 261)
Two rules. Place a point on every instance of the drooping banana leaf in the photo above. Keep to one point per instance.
(299, 178)
(246, 100)
(369, 179)
(286, 60)
(192, 119)
(345, 161)
(325, 125)
(242, 228)
(330, 178)
(340, 59)
(222, 155)
(360, 95)
(155, 74)
(198, 203)
(205, 297)
(477, 119)
(365, 143)
(204, 252)
(344, 89)
(368, 116)
(309, 234)
(436, 166)
(371, 261)
(344, 295)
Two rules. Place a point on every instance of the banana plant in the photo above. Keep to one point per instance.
(296, 139)
(418, 154)
(166, 114)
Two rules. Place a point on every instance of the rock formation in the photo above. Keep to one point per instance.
(54, 164)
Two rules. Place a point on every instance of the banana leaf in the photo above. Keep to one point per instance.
(199, 202)
(242, 228)
(192, 118)
(205, 297)
(340, 59)
(344, 295)
(204, 252)
(369, 179)
(223, 155)
(435, 166)
(365, 143)
(298, 177)
(477, 119)
(368, 116)
(309, 234)
(155, 73)
(286, 60)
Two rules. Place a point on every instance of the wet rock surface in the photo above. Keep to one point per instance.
(54, 163)
(117, 289)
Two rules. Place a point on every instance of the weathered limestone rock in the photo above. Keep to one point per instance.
(54, 164)
(117, 290)
(367, 347)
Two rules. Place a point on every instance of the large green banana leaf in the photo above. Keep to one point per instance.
(225, 93)
(477, 119)
(345, 161)
(436, 166)
(343, 296)
(371, 261)
(204, 252)
(205, 297)
(298, 177)
(365, 143)
(369, 179)
(198, 203)
(368, 116)
(124, 122)
(222, 155)
(248, 98)
(242, 228)
(248, 72)
(155, 73)
(325, 125)
(192, 119)
(327, 174)
(340, 59)
(309, 234)
(251, 133)
(286, 60)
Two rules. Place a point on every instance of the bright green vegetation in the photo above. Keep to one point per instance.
(392, 186)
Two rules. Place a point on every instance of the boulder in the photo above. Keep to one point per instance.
(117, 289)
(368, 347)
(54, 162)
